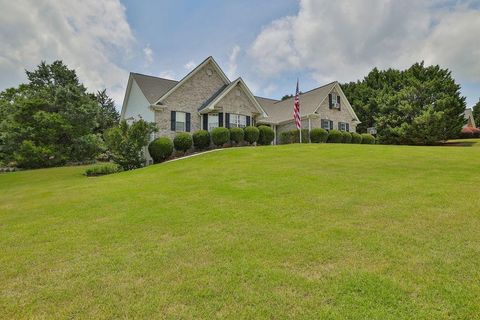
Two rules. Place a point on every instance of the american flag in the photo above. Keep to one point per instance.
(296, 110)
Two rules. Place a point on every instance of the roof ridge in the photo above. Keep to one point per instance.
(323, 86)
(267, 98)
(147, 75)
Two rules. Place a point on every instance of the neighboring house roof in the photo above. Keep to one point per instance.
(210, 103)
(190, 74)
(468, 115)
(153, 87)
(310, 101)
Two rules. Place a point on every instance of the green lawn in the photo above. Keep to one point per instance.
(303, 231)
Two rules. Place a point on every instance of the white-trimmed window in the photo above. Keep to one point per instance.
(335, 99)
(237, 121)
(343, 126)
(212, 121)
(180, 121)
(326, 124)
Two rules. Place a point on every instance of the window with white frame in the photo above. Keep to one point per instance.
(180, 121)
(325, 124)
(335, 103)
(212, 121)
(343, 126)
(238, 121)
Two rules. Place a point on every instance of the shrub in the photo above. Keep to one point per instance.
(236, 135)
(469, 133)
(31, 156)
(347, 137)
(335, 136)
(220, 136)
(126, 143)
(251, 134)
(286, 137)
(201, 139)
(318, 135)
(293, 136)
(182, 141)
(87, 147)
(160, 149)
(266, 135)
(368, 138)
(102, 169)
(356, 137)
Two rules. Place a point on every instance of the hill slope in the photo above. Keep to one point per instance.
(337, 231)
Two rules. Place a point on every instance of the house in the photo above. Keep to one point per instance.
(469, 120)
(205, 98)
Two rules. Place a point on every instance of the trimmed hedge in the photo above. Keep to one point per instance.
(347, 137)
(251, 134)
(368, 138)
(236, 135)
(182, 141)
(220, 136)
(318, 135)
(266, 135)
(293, 136)
(201, 139)
(356, 137)
(335, 136)
(102, 169)
(160, 149)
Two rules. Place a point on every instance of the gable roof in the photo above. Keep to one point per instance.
(153, 87)
(190, 74)
(310, 101)
(210, 103)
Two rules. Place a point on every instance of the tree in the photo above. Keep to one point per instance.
(108, 116)
(420, 105)
(50, 120)
(127, 143)
(476, 114)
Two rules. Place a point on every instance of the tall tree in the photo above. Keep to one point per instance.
(476, 114)
(108, 115)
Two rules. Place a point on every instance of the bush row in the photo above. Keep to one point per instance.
(470, 133)
(102, 169)
(162, 148)
(319, 135)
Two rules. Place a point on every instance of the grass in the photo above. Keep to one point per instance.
(296, 231)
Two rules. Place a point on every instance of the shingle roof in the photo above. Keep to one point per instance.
(153, 87)
(279, 111)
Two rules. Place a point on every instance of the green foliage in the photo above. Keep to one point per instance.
(392, 100)
(368, 138)
(102, 169)
(335, 136)
(347, 137)
(182, 141)
(160, 149)
(476, 114)
(236, 135)
(251, 134)
(55, 113)
(318, 135)
(220, 136)
(356, 137)
(127, 142)
(293, 136)
(266, 135)
(107, 115)
(201, 139)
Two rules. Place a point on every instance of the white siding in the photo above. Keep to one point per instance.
(137, 105)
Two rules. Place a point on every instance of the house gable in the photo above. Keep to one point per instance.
(346, 111)
(135, 104)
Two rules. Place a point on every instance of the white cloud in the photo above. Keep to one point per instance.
(148, 52)
(232, 62)
(343, 40)
(167, 74)
(87, 35)
(269, 89)
(190, 65)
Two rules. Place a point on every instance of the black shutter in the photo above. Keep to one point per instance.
(347, 127)
(205, 121)
(248, 121)
(338, 101)
(220, 119)
(227, 120)
(330, 103)
(187, 120)
(173, 115)
(331, 125)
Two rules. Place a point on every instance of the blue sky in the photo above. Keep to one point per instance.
(268, 43)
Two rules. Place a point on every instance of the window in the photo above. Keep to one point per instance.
(335, 100)
(343, 126)
(180, 121)
(325, 124)
(212, 121)
(237, 120)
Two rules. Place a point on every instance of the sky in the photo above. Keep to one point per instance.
(268, 43)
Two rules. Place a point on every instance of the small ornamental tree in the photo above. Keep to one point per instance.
(318, 135)
(266, 135)
(236, 135)
(335, 136)
(160, 149)
(201, 139)
(182, 141)
(251, 134)
(220, 136)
